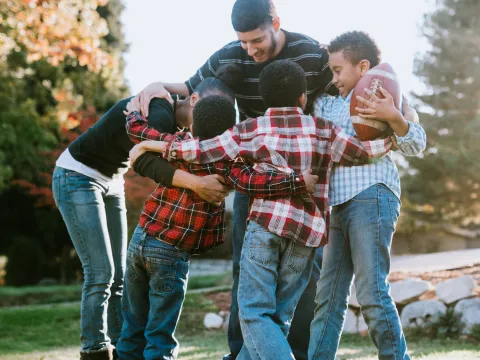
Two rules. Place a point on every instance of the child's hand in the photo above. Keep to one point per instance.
(310, 180)
(137, 151)
(378, 109)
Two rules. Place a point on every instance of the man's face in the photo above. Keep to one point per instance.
(345, 74)
(259, 43)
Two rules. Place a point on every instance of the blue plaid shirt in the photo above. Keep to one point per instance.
(348, 181)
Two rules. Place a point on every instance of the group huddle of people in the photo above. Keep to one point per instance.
(315, 208)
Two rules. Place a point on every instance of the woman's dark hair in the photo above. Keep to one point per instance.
(282, 83)
(212, 115)
(356, 46)
(226, 81)
(248, 15)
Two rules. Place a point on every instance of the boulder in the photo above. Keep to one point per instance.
(422, 312)
(213, 321)
(408, 290)
(350, 325)
(456, 289)
(469, 310)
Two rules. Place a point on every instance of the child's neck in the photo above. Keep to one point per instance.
(182, 113)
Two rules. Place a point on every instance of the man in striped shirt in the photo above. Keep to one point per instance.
(366, 206)
(260, 41)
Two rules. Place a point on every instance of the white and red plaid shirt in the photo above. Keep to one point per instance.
(286, 138)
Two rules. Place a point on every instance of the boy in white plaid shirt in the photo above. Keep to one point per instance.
(366, 206)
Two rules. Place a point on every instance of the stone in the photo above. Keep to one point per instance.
(409, 290)
(212, 321)
(350, 325)
(469, 310)
(353, 298)
(422, 312)
(456, 289)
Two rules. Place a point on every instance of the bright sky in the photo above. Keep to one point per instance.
(169, 40)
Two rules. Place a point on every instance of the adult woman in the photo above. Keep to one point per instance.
(88, 188)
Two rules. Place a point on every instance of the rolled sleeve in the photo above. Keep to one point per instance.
(413, 142)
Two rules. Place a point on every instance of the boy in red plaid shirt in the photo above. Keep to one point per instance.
(282, 233)
(176, 223)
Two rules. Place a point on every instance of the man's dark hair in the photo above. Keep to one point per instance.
(356, 46)
(248, 15)
(226, 82)
(282, 83)
(212, 115)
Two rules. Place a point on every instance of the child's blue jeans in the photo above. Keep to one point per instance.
(155, 287)
(360, 238)
(274, 272)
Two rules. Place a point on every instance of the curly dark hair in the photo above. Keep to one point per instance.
(356, 46)
(281, 83)
(212, 115)
(248, 15)
(226, 82)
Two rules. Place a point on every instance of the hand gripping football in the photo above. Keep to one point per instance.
(381, 75)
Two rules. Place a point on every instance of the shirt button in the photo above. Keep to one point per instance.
(297, 179)
(173, 153)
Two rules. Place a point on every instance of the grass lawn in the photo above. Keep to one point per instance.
(51, 332)
(36, 295)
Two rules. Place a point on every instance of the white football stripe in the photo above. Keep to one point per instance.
(372, 123)
(383, 73)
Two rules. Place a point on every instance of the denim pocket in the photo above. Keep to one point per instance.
(394, 205)
(298, 258)
(162, 274)
(132, 272)
(71, 177)
(263, 246)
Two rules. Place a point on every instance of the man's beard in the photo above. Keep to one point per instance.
(273, 48)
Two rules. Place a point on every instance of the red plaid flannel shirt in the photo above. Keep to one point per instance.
(285, 137)
(182, 218)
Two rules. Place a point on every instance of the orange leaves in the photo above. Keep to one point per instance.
(56, 29)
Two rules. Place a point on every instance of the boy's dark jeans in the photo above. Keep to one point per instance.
(155, 287)
(300, 328)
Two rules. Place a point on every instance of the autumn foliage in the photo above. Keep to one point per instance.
(61, 67)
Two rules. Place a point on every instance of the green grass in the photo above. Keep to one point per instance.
(39, 327)
(33, 295)
(207, 281)
(36, 295)
(52, 332)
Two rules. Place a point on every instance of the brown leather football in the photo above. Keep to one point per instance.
(381, 75)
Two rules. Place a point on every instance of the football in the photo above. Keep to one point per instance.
(381, 75)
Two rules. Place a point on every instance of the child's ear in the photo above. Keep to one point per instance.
(302, 101)
(194, 98)
(364, 66)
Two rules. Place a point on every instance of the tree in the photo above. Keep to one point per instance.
(444, 185)
(60, 66)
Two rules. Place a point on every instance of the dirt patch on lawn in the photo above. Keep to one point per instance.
(222, 299)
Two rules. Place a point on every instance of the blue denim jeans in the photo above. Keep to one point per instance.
(274, 272)
(360, 239)
(155, 287)
(300, 329)
(96, 219)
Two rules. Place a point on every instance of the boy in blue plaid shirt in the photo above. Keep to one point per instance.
(365, 204)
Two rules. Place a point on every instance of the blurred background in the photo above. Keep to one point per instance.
(63, 63)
